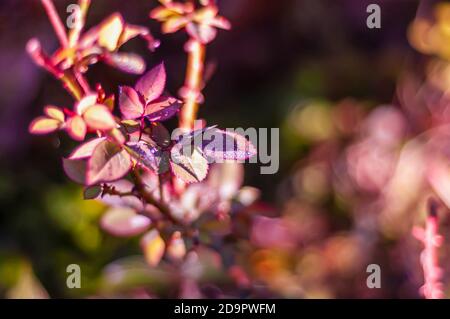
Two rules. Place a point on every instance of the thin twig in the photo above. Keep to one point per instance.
(56, 22)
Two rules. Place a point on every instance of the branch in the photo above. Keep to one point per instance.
(57, 24)
(432, 288)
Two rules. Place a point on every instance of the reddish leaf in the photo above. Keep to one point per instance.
(160, 134)
(108, 162)
(98, 117)
(76, 128)
(151, 84)
(153, 247)
(86, 149)
(176, 249)
(43, 125)
(130, 103)
(162, 109)
(75, 170)
(124, 222)
(201, 32)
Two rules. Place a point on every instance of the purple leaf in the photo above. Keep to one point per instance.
(85, 150)
(162, 109)
(151, 84)
(75, 170)
(130, 103)
(92, 192)
(124, 222)
(108, 162)
(150, 156)
(160, 134)
(225, 145)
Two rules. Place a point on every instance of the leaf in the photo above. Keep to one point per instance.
(54, 112)
(150, 156)
(223, 145)
(162, 109)
(86, 149)
(151, 84)
(86, 102)
(189, 168)
(108, 162)
(75, 170)
(124, 222)
(98, 117)
(153, 247)
(76, 128)
(92, 192)
(127, 62)
(130, 103)
(160, 134)
(110, 31)
(43, 125)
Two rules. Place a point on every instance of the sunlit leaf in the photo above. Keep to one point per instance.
(43, 125)
(54, 112)
(86, 102)
(173, 24)
(75, 170)
(201, 32)
(124, 222)
(162, 109)
(110, 32)
(98, 117)
(153, 247)
(151, 84)
(108, 162)
(130, 103)
(189, 167)
(76, 128)
(86, 149)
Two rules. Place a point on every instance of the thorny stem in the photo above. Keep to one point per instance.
(148, 197)
(429, 236)
(56, 22)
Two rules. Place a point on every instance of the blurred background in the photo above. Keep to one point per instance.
(363, 117)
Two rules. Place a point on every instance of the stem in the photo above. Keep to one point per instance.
(56, 22)
(80, 19)
(148, 197)
(432, 288)
(191, 92)
(35, 51)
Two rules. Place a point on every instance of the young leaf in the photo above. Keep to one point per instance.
(86, 149)
(153, 247)
(124, 222)
(189, 168)
(75, 170)
(98, 117)
(130, 103)
(43, 125)
(151, 84)
(86, 102)
(108, 162)
(150, 156)
(54, 112)
(162, 109)
(176, 249)
(110, 31)
(76, 128)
